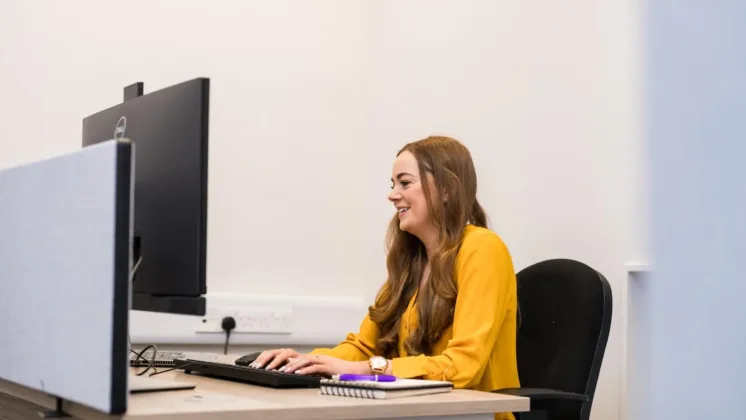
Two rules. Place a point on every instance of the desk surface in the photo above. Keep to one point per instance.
(222, 399)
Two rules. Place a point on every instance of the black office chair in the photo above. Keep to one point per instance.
(564, 319)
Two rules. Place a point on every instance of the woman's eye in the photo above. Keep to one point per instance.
(403, 184)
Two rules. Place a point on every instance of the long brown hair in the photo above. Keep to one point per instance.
(450, 164)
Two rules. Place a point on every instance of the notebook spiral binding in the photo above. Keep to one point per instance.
(347, 389)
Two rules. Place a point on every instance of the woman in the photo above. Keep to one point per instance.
(448, 308)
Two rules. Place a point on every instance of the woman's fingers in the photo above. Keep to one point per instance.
(301, 362)
(281, 358)
(295, 364)
(272, 359)
(265, 357)
(317, 368)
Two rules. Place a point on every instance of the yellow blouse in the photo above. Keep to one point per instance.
(478, 351)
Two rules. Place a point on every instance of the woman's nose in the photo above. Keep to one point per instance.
(394, 195)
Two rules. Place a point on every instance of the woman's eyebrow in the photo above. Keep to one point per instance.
(401, 175)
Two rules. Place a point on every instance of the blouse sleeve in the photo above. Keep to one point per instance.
(356, 347)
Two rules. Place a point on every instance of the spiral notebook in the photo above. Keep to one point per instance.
(383, 390)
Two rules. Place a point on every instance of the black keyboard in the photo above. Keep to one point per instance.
(270, 378)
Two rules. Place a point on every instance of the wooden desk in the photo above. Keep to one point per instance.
(226, 400)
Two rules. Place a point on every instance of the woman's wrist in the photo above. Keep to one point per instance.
(389, 368)
(363, 368)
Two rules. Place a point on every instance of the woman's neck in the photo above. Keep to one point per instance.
(425, 276)
(430, 240)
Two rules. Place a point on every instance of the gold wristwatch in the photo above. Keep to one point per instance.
(378, 365)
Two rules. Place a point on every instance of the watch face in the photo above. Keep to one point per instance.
(378, 362)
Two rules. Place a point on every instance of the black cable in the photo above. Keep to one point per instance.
(134, 270)
(140, 357)
(228, 324)
(164, 371)
(132, 280)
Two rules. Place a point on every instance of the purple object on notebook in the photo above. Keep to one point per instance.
(375, 378)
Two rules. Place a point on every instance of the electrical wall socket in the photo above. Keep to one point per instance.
(256, 320)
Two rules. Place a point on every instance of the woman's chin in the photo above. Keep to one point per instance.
(406, 227)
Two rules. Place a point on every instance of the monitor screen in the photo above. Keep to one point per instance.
(169, 130)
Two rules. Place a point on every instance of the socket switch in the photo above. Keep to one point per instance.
(253, 320)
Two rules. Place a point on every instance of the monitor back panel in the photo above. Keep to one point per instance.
(64, 269)
(169, 129)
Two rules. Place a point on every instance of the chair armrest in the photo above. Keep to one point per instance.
(541, 394)
(543, 401)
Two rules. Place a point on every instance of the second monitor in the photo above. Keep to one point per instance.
(169, 129)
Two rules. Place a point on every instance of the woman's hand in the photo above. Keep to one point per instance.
(325, 365)
(274, 357)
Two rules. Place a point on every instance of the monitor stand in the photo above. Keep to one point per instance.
(139, 384)
(57, 413)
(181, 305)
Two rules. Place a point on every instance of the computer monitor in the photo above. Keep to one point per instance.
(65, 258)
(169, 129)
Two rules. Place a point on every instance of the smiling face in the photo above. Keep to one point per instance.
(408, 195)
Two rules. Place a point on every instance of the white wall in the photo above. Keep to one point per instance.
(288, 94)
(311, 101)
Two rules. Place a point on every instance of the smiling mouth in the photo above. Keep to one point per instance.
(401, 211)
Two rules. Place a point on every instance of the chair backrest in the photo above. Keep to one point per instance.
(565, 315)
